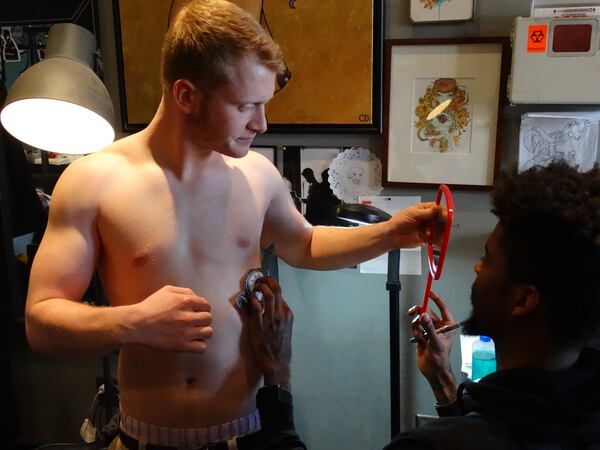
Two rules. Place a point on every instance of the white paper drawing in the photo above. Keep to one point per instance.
(355, 172)
(546, 139)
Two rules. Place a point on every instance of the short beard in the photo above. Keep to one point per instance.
(471, 326)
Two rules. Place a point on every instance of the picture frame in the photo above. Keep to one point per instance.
(314, 163)
(306, 173)
(327, 91)
(432, 11)
(461, 146)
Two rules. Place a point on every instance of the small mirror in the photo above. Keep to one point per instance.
(439, 235)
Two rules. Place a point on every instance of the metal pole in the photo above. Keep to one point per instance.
(393, 286)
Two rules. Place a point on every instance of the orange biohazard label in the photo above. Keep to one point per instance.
(537, 37)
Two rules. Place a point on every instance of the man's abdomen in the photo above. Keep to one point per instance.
(191, 389)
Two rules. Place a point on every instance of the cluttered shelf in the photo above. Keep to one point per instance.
(46, 168)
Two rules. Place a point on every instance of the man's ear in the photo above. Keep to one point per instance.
(186, 96)
(527, 300)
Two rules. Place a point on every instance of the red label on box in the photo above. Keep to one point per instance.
(537, 38)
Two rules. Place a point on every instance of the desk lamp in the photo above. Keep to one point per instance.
(60, 104)
(365, 214)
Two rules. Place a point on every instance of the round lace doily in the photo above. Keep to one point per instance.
(354, 172)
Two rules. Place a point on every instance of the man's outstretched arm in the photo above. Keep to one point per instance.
(326, 247)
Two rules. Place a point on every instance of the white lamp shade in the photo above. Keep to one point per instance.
(60, 105)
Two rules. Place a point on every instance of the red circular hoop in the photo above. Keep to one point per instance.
(436, 272)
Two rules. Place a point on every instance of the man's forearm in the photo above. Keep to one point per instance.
(71, 329)
(337, 247)
(279, 377)
(444, 388)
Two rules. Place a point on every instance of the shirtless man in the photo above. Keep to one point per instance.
(173, 217)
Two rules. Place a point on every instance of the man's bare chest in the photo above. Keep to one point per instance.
(163, 226)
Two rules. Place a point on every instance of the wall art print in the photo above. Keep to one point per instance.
(355, 172)
(443, 106)
(332, 52)
(544, 139)
(449, 130)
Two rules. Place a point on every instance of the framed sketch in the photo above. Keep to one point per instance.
(546, 137)
(333, 54)
(443, 110)
(427, 11)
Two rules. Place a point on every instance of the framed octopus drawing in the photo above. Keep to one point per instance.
(333, 54)
(443, 104)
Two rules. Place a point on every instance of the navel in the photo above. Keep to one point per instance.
(190, 382)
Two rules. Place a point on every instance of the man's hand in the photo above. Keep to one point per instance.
(173, 319)
(270, 332)
(433, 350)
(410, 227)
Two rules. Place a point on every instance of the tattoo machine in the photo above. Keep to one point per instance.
(243, 299)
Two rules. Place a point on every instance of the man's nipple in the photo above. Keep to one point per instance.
(141, 258)
(242, 241)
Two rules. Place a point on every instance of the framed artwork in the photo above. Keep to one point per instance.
(427, 11)
(443, 107)
(558, 136)
(314, 170)
(333, 54)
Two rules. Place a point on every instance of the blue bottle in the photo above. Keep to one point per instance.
(484, 358)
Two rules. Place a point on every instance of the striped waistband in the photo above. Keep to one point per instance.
(147, 433)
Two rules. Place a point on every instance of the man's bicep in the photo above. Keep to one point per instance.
(66, 257)
(286, 229)
(62, 267)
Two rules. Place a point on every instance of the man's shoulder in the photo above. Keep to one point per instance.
(108, 161)
(256, 159)
(92, 174)
(255, 163)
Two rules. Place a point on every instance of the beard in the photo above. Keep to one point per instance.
(472, 326)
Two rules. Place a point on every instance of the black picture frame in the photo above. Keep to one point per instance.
(424, 60)
(135, 88)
